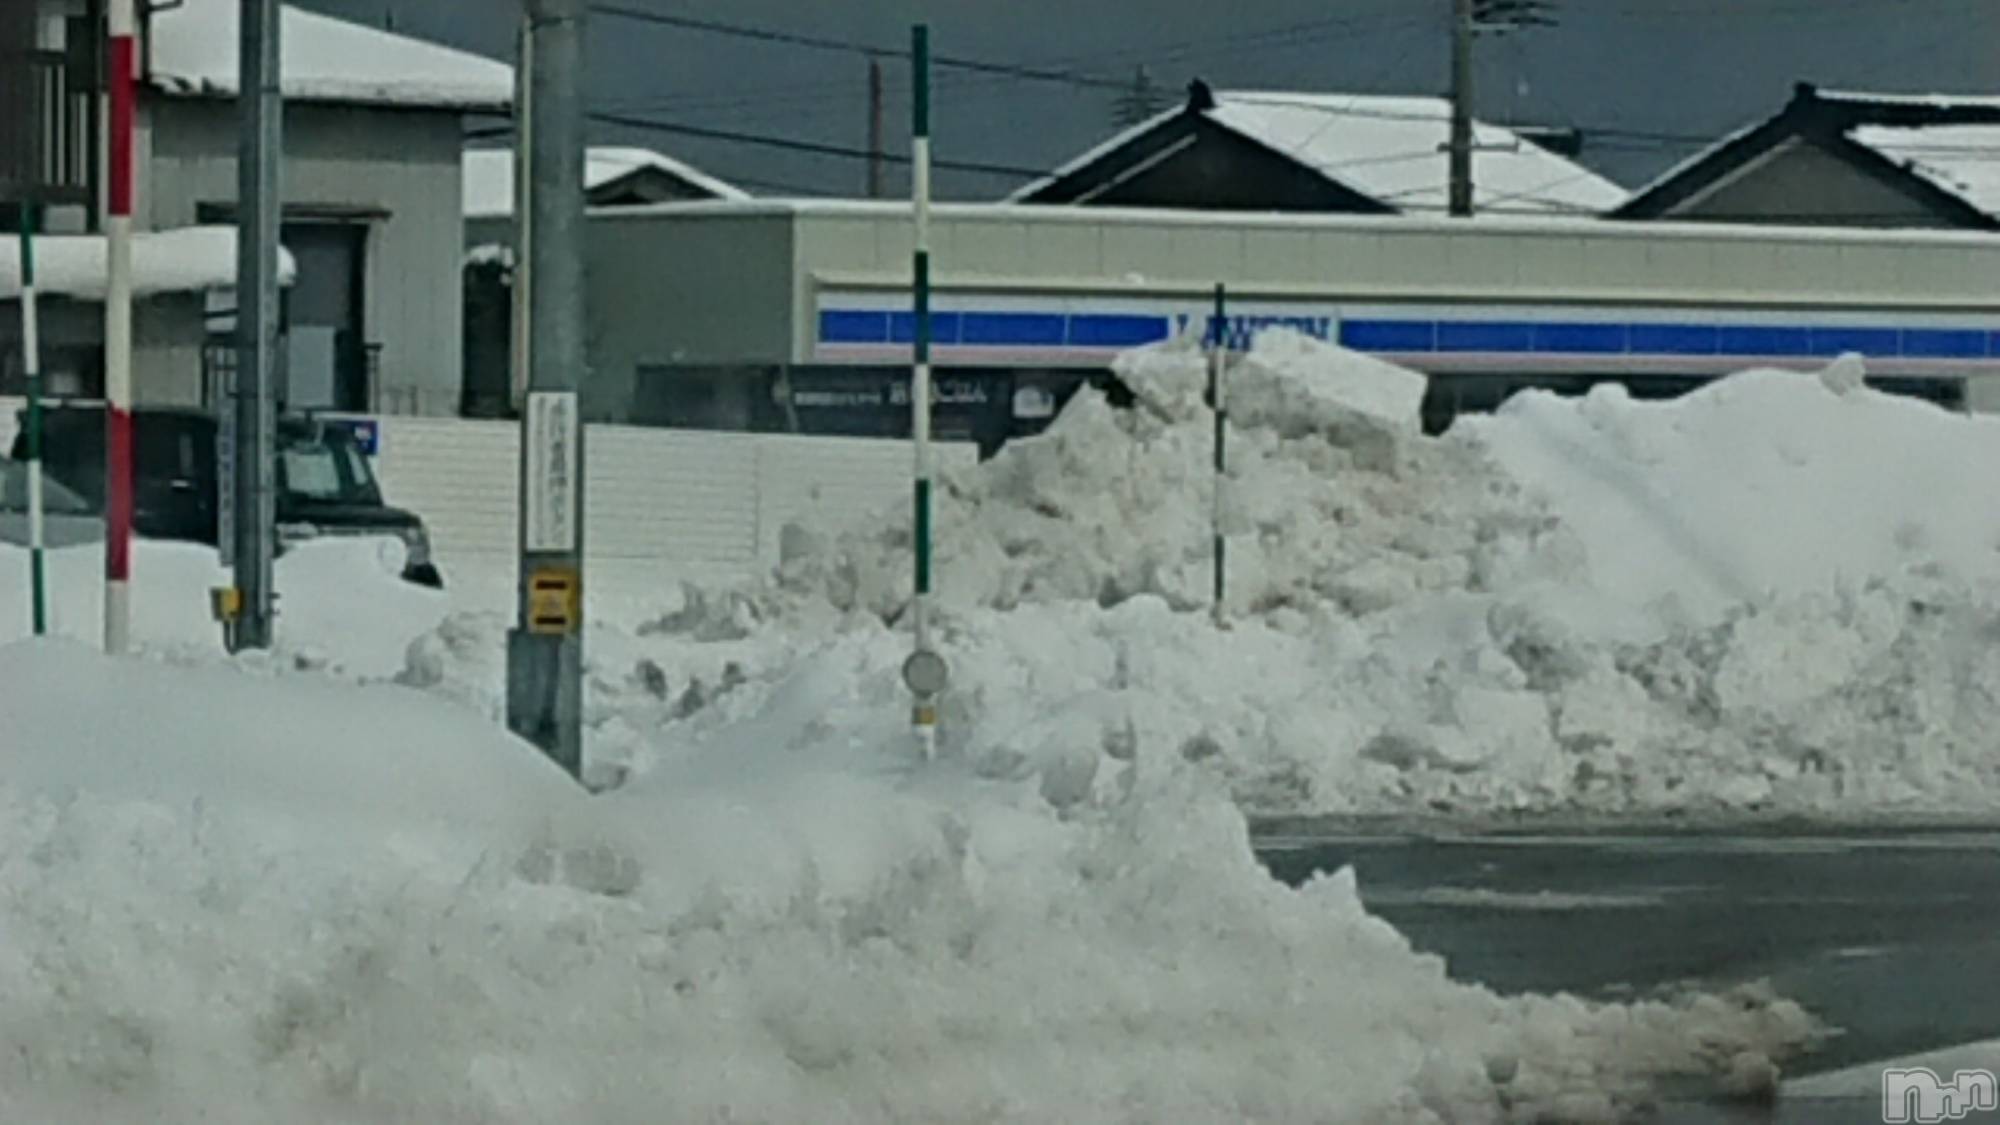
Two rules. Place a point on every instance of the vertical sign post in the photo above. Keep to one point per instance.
(924, 672)
(120, 156)
(31, 366)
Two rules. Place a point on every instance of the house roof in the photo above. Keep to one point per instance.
(1963, 160)
(489, 176)
(1948, 147)
(183, 260)
(1388, 148)
(194, 50)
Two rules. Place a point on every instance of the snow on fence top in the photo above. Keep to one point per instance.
(195, 50)
(186, 260)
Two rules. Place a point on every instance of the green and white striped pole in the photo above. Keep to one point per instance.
(31, 365)
(924, 672)
(1218, 356)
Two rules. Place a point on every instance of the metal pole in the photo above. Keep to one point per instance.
(31, 364)
(261, 120)
(545, 650)
(1217, 355)
(1461, 108)
(876, 186)
(924, 672)
(524, 194)
(120, 157)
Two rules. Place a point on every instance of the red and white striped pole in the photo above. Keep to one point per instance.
(124, 63)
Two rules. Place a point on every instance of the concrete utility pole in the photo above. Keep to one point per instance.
(875, 151)
(545, 649)
(1461, 107)
(524, 193)
(249, 417)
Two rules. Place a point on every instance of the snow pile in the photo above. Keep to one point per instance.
(1765, 483)
(1767, 597)
(340, 601)
(242, 899)
(1333, 498)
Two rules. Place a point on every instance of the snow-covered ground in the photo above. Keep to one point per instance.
(261, 893)
(322, 885)
(1775, 596)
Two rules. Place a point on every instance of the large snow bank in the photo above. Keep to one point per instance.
(1766, 483)
(1767, 597)
(288, 898)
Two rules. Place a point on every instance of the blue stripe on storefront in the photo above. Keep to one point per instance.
(945, 327)
(1035, 330)
(1389, 335)
(1098, 331)
(1113, 330)
(1944, 343)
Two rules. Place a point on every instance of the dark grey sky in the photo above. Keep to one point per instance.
(1648, 66)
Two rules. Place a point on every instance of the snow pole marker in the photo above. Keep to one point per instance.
(925, 672)
(31, 367)
(1217, 354)
(119, 158)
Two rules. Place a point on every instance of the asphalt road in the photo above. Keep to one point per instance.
(1894, 937)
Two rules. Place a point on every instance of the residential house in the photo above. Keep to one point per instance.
(374, 124)
(1844, 158)
(51, 130)
(373, 129)
(1354, 153)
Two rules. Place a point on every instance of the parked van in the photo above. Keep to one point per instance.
(325, 485)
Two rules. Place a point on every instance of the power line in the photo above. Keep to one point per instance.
(792, 144)
(848, 46)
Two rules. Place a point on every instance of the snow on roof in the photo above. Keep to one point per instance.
(489, 176)
(1924, 101)
(1963, 160)
(194, 50)
(185, 260)
(1392, 149)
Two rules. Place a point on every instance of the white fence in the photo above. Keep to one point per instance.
(661, 503)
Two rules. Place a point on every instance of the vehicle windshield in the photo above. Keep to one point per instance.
(326, 472)
(56, 500)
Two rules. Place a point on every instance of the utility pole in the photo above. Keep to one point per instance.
(120, 157)
(875, 152)
(1461, 107)
(524, 194)
(250, 413)
(545, 649)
